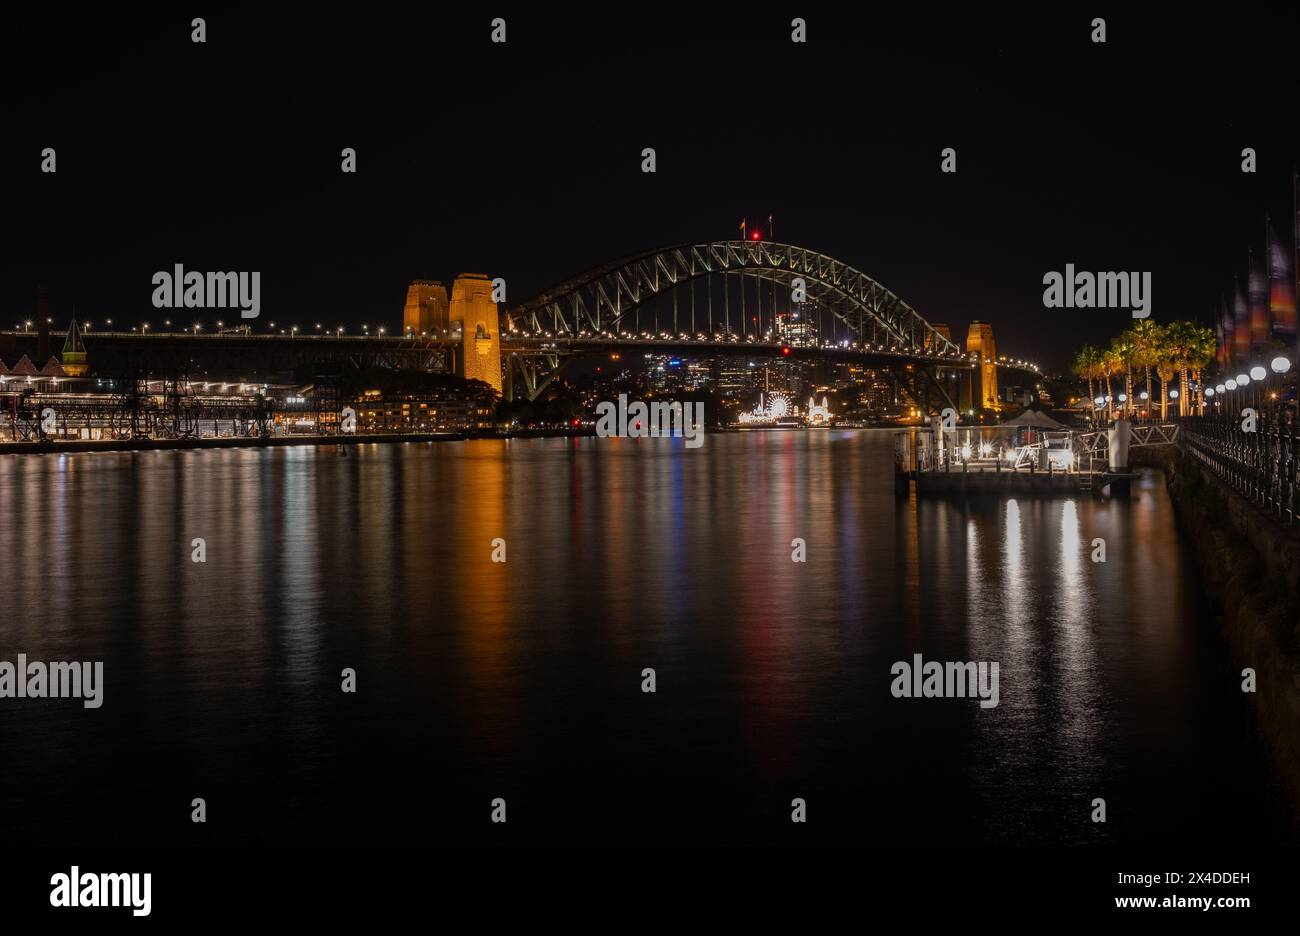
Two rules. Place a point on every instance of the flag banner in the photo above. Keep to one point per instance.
(1281, 286)
(1257, 297)
(1240, 326)
(1229, 328)
(1220, 349)
(1295, 242)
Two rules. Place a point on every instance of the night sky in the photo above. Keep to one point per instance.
(523, 160)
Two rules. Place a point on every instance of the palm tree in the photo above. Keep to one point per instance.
(1182, 344)
(1125, 350)
(1147, 338)
(1165, 364)
(1111, 363)
(1085, 365)
(1202, 348)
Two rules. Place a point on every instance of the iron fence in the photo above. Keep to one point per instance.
(1261, 465)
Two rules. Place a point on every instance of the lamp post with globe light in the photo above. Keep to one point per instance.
(1258, 377)
(1280, 366)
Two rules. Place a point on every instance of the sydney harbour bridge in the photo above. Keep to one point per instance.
(716, 296)
(731, 297)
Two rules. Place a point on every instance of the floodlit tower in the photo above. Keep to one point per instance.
(473, 309)
(979, 340)
(426, 308)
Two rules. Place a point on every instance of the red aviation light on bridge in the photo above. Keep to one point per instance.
(785, 350)
(757, 235)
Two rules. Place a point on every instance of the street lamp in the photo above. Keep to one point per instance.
(1281, 365)
(1258, 373)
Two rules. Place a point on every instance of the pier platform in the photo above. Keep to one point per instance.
(987, 461)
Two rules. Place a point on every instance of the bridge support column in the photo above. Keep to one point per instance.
(473, 309)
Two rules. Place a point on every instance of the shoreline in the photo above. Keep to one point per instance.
(66, 446)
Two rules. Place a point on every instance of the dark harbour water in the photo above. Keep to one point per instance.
(522, 680)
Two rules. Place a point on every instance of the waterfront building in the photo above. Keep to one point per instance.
(74, 352)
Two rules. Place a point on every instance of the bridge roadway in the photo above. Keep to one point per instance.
(1011, 373)
(254, 357)
(233, 356)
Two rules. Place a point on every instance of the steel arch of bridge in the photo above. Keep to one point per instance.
(600, 299)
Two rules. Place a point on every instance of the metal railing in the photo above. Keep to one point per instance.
(1261, 466)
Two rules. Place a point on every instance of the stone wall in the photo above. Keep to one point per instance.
(1251, 568)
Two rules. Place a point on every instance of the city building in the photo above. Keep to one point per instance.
(735, 377)
(74, 352)
(798, 327)
(881, 394)
(785, 376)
(699, 374)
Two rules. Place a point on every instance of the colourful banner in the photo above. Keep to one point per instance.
(1229, 327)
(1257, 297)
(1240, 326)
(1281, 287)
(1220, 343)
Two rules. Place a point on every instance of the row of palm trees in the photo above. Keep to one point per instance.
(1176, 349)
